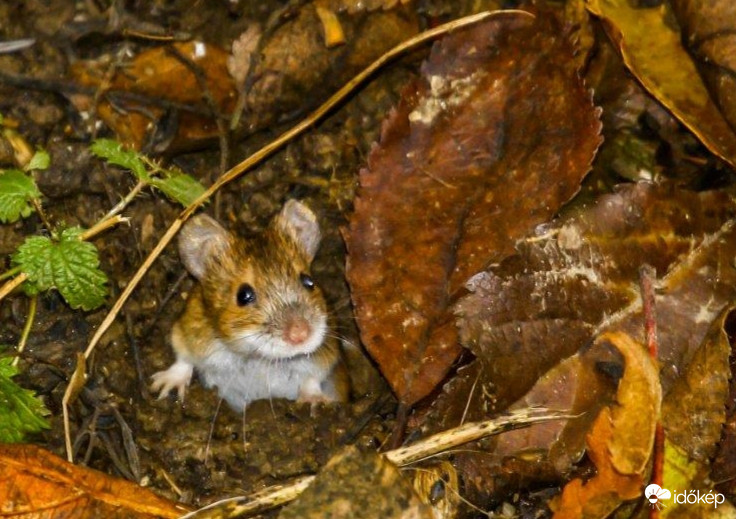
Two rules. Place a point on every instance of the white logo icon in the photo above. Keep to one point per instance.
(654, 493)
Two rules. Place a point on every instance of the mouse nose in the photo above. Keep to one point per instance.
(296, 330)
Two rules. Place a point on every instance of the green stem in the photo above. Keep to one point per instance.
(10, 273)
(124, 202)
(155, 167)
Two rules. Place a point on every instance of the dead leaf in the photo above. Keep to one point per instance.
(334, 35)
(579, 278)
(159, 74)
(468, 162)
(288, 71)
(639, 399)
(724, 464)
(621, 440)
(544, 452)
(601, 495)
(296, 70)
(709, 30)
(693, 412)
(683, 475)
(36, 483)
(357, 6)
(653, 51)
(243, 51)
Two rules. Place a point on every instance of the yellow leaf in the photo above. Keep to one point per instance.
(651, 48)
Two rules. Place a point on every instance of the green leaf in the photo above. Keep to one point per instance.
(16, 191)
(21, 412)
(112, 151)
(33, 256)
(40, 160)
(69, 265)
(180, 187)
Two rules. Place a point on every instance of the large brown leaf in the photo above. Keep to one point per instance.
(490, 142)
(580, 279)
(36, 483)
(530, 314)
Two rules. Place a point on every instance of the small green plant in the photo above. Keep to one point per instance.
(21, 412)
(178, 186)
(18, 189)
(61, 261)
(64, 261)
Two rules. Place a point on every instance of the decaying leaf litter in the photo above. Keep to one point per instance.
(556, 299)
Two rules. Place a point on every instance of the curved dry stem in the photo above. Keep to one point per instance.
(12, 285)
(26, 328)
(237, 170)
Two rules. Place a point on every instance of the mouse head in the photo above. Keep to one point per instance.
(257, 292)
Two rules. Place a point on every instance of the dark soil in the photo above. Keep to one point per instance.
(199, 451)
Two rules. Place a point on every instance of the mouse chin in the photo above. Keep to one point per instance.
(275, 347)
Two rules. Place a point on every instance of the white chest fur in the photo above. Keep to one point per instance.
(240, 379)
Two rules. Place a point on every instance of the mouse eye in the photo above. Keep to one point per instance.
(246, 295)
(307, 281)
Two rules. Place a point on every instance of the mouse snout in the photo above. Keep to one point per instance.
(296, 328)
(297, 331)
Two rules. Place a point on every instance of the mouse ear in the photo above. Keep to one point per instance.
(200, 239)
(299, 222)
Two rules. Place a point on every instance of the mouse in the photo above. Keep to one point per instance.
(256, 324)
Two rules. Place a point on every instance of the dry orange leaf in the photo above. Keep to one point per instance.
(621, 440)
(162, 73)
(35, 483)
(652, 49)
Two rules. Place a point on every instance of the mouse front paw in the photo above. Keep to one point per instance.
(176, 377)
(311, 392)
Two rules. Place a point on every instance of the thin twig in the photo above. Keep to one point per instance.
(12, 284)
(103, 225)
(278, 495)
(42, 214)
(125, 201)
(275, 145)
(26, 328)
(647, 279)
(397, 434)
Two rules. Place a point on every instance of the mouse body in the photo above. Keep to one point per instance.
(256, 325)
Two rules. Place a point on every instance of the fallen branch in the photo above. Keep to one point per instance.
(278, 495)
